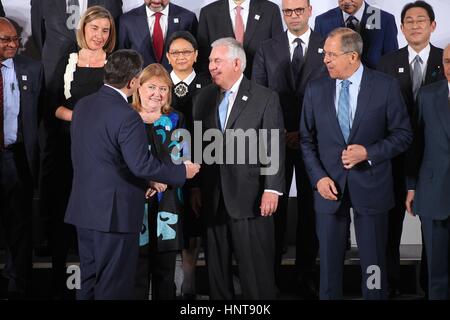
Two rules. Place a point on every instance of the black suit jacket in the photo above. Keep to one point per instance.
(53, 38)
(264, 22)
(397, 65)
(272, 69)
(30, 77)
(134, 32)
(240, 185)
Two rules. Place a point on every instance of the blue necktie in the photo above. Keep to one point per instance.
(343, 109)
(223, 109)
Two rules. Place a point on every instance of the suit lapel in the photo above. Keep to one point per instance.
(442, 107)
(315, 43)
(224, 19)
(433, 71)
(243, 95)
(363, 102)
(403, 69)
(142, 25)
(282, 47)
(330, 105)
(23, 80)
(252, 21)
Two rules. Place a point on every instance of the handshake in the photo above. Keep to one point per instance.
(191, 170)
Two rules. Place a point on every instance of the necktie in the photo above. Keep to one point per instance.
(2, 134)
(416, 75)
(239, 26)
(344, 109)
(352, 23)
(157, 37)
(223, 109)
(297, 59)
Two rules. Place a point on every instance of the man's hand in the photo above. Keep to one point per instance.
(158, 187)
(150, 193)
(353, 155)
(269, 203)
(327, 189)
(293, 140)
(191, 169)
(196, 200)
(409, 202)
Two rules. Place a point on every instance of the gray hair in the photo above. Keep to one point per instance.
(235, 49)
(351, 41)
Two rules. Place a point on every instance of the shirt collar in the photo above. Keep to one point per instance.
(358, 15)
(176, 80)
(355, 78)
(9, 63)
(164, 12)
(234, 89)
(119, 91)
(423, 54)
(304, 37)
(245, 5)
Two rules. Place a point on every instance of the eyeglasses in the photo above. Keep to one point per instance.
(409, 23)
(334, 55)
(7, 40)
(162, 89)
(289, 12)
(184, 53)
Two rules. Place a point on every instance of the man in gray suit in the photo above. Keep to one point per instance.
(428, 178)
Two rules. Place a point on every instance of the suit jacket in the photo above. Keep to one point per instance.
(264, 22)
(429, 157)
(272, 69)
(134, 32)
(53, 38)
(240, 185)
(112, 165)
(2, 12)
(396, 64)
(30, 77)
(379, 39)
(381, 125)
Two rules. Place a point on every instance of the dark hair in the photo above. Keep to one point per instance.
(122, 66)
(418, 4)
(186, 35)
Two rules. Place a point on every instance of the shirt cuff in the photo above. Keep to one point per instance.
(273, 191)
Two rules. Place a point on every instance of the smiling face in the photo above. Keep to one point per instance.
(182, 55)
(154, 94)
(297, 24)
(96, 33)
(9, 40)
(417, 27)
(157, 5)
(224, 70)
(350, 6)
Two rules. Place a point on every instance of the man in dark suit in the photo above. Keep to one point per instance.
(286, 67)
(165, 18)
(20, 87)
(248, 21)
(377, 27)
(112, 166)
(353, 123)
(417, 25)
(240, 193)
(429, 178)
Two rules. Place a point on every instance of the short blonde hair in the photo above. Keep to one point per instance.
(91, 14)
(154, 70)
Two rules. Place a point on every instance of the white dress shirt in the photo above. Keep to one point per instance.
(244, 12)
(119, 91)
(176, 80)
(292, 44)
(423, 54)
(163, 21)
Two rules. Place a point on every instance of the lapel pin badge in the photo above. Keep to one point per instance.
(245, 98)
(401, 70)
(198, 85)
(320, 50)
(257, 16)
(25, 87)
(176, 20)
(24, 77)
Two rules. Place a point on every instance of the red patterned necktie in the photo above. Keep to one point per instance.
(158, 40)
(239, 26)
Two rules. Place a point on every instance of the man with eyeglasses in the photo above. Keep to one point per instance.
(285, 64)
(21, 81)
(417, 64)
(353, 123)
(376, 27)
(147, 28)
(248, 21)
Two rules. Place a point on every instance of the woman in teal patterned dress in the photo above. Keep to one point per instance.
(161, 236)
